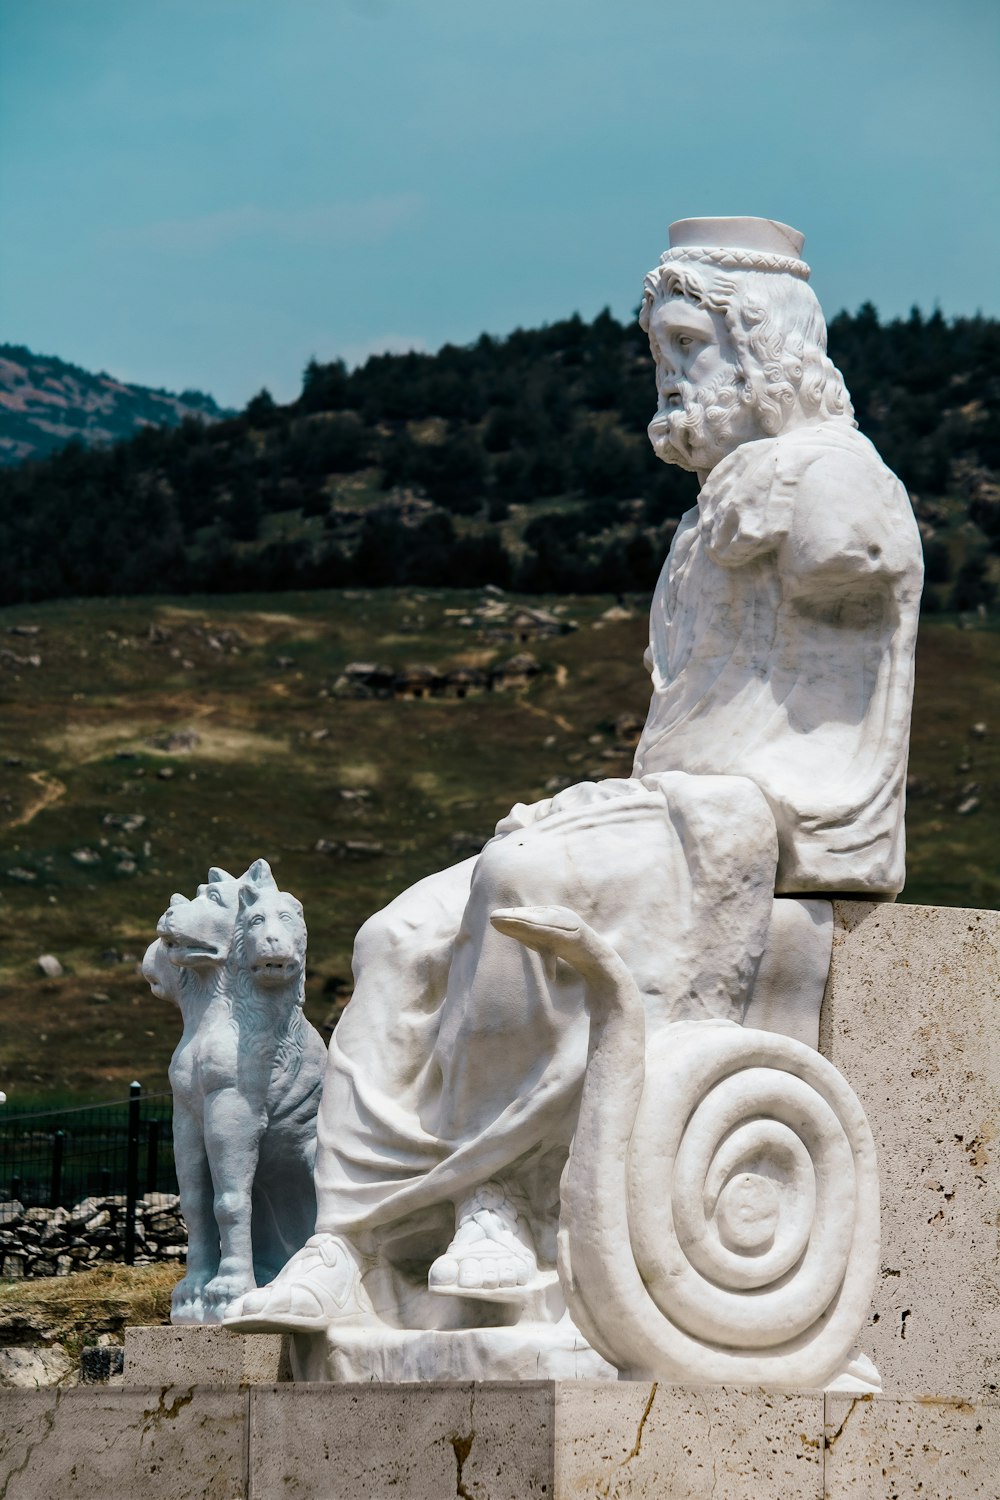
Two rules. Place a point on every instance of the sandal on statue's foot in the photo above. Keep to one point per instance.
(321, 1284)
(492, 1255)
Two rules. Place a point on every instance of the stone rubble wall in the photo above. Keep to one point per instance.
(58, 1241)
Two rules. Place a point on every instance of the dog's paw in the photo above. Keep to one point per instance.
(226, 1288)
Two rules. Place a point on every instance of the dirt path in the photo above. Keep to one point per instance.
(544, 713)
(51, 790)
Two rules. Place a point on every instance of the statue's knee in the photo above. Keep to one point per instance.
(231, 1207)
(519, 870)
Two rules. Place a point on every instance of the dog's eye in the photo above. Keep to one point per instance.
(286, 916)
(214, 896)
(257, 920)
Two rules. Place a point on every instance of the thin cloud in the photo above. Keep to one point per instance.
(361, 222)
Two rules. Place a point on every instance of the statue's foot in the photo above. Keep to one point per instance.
(321, 1284)
(187, 1304)
(225, 1290)
(492, 1255)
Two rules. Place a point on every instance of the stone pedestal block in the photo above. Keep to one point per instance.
(91, 1443)
(529, 1440)
(204, 1356)
(910, 1018)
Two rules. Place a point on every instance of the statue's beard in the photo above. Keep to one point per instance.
(711, 421)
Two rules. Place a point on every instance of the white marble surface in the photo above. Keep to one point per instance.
(720, 1206)
(772, 764)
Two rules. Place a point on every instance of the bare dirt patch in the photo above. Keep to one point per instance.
(51, 789)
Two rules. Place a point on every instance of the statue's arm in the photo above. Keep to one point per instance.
(852, 530)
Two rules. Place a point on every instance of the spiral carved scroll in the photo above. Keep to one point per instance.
(720, 1207)
(747, 1240)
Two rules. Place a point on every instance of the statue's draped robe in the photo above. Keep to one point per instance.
(773, 758)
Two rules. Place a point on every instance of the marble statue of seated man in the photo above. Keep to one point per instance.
(770, 774)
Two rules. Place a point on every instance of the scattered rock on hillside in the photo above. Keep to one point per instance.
(515, 673)
(628, 728)
(175, 741)
(127, 822)
(349, 848)
(50, 966)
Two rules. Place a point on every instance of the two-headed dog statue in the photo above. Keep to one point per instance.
(246, 1078)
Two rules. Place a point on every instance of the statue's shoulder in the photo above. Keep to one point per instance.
(843, 503)
(830, 450)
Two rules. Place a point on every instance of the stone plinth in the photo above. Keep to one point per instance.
(571, 1440)
(191, 1356)
(91, 1443)
(910, 1018)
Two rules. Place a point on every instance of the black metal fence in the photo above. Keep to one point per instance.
(56, 1158)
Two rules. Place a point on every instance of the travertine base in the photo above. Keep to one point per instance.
(911, 1018)
(204, 1356)
(576, 1440)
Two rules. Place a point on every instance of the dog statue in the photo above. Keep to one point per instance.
(246, 1078)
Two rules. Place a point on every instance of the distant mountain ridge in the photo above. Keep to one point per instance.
(45, 402)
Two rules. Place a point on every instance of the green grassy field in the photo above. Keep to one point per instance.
(101, 823)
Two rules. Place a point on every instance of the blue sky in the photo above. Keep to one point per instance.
(208, 192)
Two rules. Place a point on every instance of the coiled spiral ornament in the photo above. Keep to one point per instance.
(753, 1197)
(720, 1206)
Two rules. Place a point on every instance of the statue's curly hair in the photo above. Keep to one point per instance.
(778, 332)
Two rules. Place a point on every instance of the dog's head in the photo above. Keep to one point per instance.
(271, 942)
(163, 978)
(198, 934)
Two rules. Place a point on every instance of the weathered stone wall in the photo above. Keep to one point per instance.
(57, 1241)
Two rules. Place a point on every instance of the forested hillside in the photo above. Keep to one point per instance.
(46, 403)
(519, 461)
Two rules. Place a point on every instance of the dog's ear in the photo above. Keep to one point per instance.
(249, 896)
(259, 874)
(217, 876)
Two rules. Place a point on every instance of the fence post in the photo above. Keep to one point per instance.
(55, 1184)
(152, 1155)
(132, 1169)
(15, 1188)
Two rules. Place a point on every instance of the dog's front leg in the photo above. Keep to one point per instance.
(233, 1128)
(194, 1179)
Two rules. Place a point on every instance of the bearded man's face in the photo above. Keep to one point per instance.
(702, 414)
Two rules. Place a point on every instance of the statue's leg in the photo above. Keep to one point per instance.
(233, 1127)
(678, 875)
(788, 989)
(195, 1182)
(370, 1140)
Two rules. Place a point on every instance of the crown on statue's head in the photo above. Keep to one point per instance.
(738, 245)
